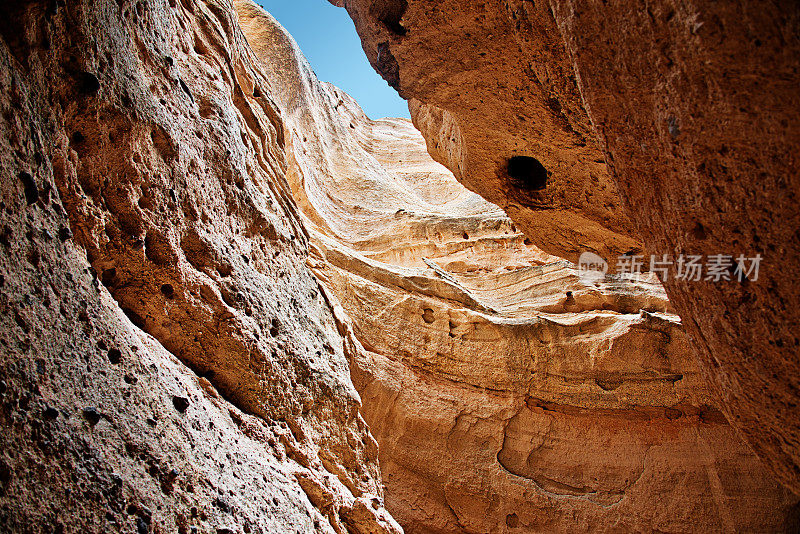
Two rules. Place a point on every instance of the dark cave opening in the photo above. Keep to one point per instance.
(390, 14)
(527, 173)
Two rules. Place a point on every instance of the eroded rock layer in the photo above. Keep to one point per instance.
(484, 99)
(507, 393)
(168, 361)
(217, 275)
(670, 122)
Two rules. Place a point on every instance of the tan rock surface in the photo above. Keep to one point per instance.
(507, 394)
(680, 117)
(175, 194)
(480, 98)
(168, 362)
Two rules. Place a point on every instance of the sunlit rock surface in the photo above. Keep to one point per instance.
(506, 392)
(670, 123)
(231, 301)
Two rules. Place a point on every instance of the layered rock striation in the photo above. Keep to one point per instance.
(664, 127)
(507, 392)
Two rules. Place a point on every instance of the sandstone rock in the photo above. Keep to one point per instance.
(208, 258)
(484, 101)
(506, 392)
(666, 122)
(189, 370)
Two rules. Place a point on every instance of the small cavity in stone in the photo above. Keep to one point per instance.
(527, 173)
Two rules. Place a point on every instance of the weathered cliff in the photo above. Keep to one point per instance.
(168, 362)
(673, 123)
(507, 393)
(233, 303)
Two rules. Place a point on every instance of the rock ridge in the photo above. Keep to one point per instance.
(664, 128)
(506, 392)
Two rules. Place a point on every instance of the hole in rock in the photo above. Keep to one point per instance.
(391, 13)
(185, 89)
(699, 231)
(92, 415)
(427, 315)
(527, 173)
(109, 276)
(88, 84)
(28, 183)
(512, 520)
(114, 356)
(180, 403)
(64, 233)
(167, 290)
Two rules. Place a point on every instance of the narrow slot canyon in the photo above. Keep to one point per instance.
(232, 302)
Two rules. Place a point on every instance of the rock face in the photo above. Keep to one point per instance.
(507, 393)
(670, 123)
(510, 127)
(168, 362)
(217, 275)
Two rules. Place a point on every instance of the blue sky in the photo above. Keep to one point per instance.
(328, 39)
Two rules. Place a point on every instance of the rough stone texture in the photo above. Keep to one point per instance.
(507, 393)
(168, 361)
(171, 362)
(691, 107)
(481, 98)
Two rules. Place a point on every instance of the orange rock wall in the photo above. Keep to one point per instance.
(506, 392)
(673, 123)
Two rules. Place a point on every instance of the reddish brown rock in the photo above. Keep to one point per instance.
(175, 194)
(509, 126)
(169, 362)
(685, 115)
(507, 393)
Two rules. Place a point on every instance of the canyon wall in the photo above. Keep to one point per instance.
(168, 363)
(233, 303)
(659, 128)
(507, 392)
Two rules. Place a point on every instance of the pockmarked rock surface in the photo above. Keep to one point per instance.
(665, 127)
(507, 392)
(233, 303)
(508, 125)
(168, 362)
